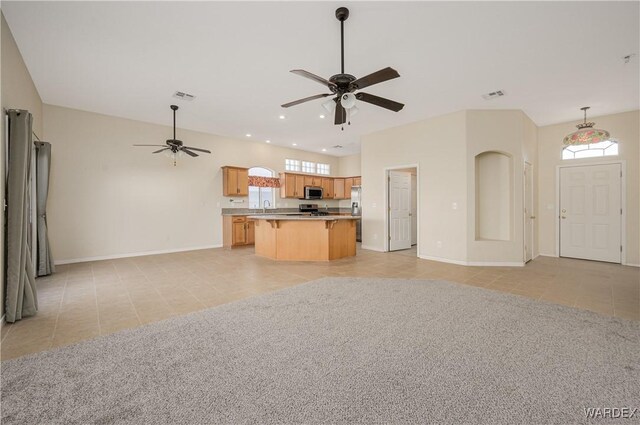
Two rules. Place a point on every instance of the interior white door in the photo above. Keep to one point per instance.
(414, 209)
(399, 210)
(529, 214)
(590, 212)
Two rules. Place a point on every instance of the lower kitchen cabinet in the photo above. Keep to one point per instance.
(237, 231)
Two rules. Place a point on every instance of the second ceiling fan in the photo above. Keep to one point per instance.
(344, 86)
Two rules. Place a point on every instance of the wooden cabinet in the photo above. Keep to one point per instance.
(239, 234)
(237, 231)
(338, 189)
(251, 232)
(313, 181)
(347, 187)
(292, 185)
(357, 181)
(235, 181)
(327, 188)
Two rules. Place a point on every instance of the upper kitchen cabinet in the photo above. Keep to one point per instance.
(327, 188)
(338, 189)
(314, 181)
(235, 181)
(291, 185)
(347, 187)
(357, 181)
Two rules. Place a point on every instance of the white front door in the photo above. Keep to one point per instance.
(590, 212)
(399, 210)
(529, 215)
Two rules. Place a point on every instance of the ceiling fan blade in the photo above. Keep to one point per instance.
(380, 101)
(197, 149)
(160, 150)
(385, 74)
(341, 114)
(159, 146)
(306, 99)
(314, 77)
(188, 152)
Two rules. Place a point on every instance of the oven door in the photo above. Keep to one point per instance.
(311, 192)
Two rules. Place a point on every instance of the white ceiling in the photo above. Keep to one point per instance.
(128, 58)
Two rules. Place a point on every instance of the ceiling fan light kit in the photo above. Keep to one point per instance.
(174, 148)
(344, 86)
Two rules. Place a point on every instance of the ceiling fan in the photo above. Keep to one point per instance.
(344, 85)
(174, 147)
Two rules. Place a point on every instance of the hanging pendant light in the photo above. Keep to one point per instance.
(586, 134)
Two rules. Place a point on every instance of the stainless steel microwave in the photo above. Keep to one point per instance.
(311, 192)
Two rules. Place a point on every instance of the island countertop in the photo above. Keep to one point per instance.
(303, 217)
(305, 237)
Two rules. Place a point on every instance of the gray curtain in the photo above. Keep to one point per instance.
(43, 164)
(21, 298)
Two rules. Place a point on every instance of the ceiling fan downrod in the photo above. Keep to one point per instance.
(174, 108)
(342, 13)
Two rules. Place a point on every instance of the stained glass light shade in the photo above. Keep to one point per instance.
(586, 134)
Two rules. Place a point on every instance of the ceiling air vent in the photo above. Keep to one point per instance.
(493, 95)
(183, 96)
(337, 146)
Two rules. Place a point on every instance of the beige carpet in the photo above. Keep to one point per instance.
(340, 350)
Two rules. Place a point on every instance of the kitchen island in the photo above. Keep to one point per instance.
(305, 238)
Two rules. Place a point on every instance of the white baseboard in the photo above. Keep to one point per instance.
(134, 254)
(557, 256)
(372, 248)
(474, 263)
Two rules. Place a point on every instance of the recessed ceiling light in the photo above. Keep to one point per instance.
(282, 117)
(294, 144)
(321, 116)
(324, 150)
(268, 141)
(248, 135)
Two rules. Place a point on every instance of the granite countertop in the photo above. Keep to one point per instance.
(256, 213)
(278, 211)
(302, 217)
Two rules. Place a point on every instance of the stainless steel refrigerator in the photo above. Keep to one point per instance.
(356, 209)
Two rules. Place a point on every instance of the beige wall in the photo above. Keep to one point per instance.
(508, 132)
(623, 127)
(17, 91)
(437, 146)
(350, 165)
(108, 198)
(444, 149)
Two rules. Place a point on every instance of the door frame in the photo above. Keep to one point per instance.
(386, 203)
(623, 200)
(534, 212)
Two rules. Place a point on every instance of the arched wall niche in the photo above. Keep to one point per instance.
(494, 196)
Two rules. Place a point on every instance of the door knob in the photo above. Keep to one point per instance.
(532, 217)
(563, 217)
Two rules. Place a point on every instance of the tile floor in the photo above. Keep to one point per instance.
(85, 300)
